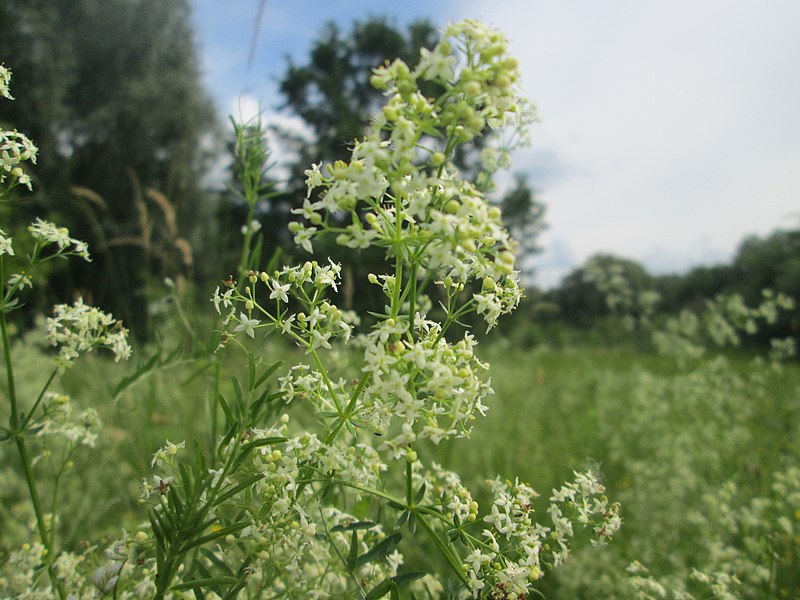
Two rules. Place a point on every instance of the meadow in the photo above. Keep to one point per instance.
(701, 454)
(265, 443)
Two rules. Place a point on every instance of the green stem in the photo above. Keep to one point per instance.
(326, 379)
(398, 284)
(12, 394)
(29, 416)
(41, 525)
(444, 549)
(14, 421)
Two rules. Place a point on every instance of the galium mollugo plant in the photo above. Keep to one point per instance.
(419, 380)
(279, 510)
(46, 430)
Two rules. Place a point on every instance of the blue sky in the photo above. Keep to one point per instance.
(669, 130)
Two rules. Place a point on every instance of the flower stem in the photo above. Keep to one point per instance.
(27, 468)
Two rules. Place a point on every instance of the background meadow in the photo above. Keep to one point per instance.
(681, 389)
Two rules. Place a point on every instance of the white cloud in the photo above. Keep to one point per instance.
(671, 128)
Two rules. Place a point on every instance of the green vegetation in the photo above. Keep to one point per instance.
(267, 443)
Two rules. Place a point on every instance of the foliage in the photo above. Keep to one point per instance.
(113, 98)
(319, 509)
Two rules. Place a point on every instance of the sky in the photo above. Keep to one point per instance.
(668, 131)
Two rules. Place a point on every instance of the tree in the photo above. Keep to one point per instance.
(111, 92)
(603, 286)
(772, 262)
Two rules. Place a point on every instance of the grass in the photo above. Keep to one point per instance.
(664, 436)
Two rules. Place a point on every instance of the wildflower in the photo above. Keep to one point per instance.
(46, 233)
(247, 325)
(279, 291)
(80, 328)
(166, 453)
(5, 244)
(224, 299)
(15, 148)
(20, 280)
(5, 81)
(313, 178)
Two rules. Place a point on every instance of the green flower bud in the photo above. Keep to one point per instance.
(438, 159)
(452, 206)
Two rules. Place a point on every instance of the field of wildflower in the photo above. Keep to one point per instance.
(273, 445)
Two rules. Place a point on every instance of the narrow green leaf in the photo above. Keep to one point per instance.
(186, 479)
(268, 441)
(381, 549)
(226, 409)
(268, 373)
(403, 518)
(405, 578)
(234, 591)
(238, 488)
(237, 389)
(420, 494)
(353, 553)
(218, 562)
(140, 371)
(380, 590)
(251, 372)
(328, 414)
(204, 583)
(354, 526)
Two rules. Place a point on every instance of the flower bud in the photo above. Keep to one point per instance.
(438, 159)
(472, 88)
(452, 206)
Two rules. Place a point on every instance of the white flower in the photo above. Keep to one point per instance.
(45, 233)
(5, 82)
(246, 325)
(437, 64)
(313, 178)
(224, 299)
(21, 280)
(80, 328)
(279, 291)
(5, 244)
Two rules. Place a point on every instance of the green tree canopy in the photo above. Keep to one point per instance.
(111, 92)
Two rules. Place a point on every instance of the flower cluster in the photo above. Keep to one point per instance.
(398, 191)
(724, 322)
(517, 549)
(15, 147)
(312, 328)
(80, 328)
(420, 388)
(417, 380)
(45, 233)
(60, 419)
